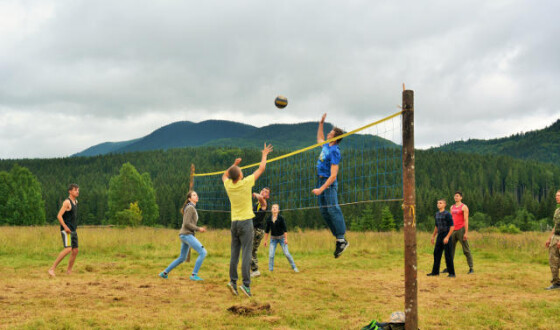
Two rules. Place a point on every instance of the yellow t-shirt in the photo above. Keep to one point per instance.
(240, 198)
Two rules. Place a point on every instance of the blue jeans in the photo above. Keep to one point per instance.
(272, 251)
(188, 241)
(330, 210)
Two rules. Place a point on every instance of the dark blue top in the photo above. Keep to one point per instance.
(330, 155)
(443, 221)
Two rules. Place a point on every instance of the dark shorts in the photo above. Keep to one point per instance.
(69, 240)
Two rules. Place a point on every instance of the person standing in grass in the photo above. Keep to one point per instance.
(460, 214)
(189, 227)
(443, 230)
(68, 219)
(553, 245)
(239, 191)
(258, 227)
(327, 186)
(276, 226)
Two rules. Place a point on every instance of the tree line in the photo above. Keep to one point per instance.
(500, 191)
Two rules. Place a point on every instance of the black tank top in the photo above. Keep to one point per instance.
(258, 220)
(71, 217)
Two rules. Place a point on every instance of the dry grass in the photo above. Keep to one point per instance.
(115, 283)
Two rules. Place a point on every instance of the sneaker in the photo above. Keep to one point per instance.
(451, 275)
(245, 290)
(256, 273)
(232, 288)
(163, 275)
(471, 271)
(340, 247)
(444, 271)
(432, 274)
(196, 278)
(296, 270)
(553, 287)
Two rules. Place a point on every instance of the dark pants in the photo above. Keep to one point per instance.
(438, 251)
(241, 241)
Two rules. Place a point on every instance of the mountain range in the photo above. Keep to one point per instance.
(224, 133)
(540, 145)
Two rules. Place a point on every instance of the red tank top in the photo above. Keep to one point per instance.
(458, 216)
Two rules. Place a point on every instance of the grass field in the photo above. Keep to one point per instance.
(115, 283)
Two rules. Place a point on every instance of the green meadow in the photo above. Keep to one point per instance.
(115, 283)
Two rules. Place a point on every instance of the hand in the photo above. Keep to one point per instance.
(202, 229)
(547, 244)
(264, 243)
(316, 191)
(445, 240)
(465, 237)
(323, 118)
(286, 241)
(267, 149)
(237, 161)
(432, 240)
(66, 229)
(558, 245)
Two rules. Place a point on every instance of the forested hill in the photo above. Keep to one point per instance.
(499, 190)
(541, 145)
(223, 133)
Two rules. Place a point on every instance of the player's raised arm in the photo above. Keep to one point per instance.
(320, 133)
(266, 150)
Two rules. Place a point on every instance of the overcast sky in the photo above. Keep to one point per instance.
(77, 73)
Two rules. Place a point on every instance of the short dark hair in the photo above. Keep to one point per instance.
(73, 186)
(442, 200)
(459, 192)
(234, 172)
(338, 132)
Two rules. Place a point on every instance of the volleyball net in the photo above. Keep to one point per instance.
(370, 171)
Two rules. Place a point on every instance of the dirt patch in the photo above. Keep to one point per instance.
(253, 309)
(144, 286)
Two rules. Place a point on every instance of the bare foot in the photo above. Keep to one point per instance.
(68, 272)
(51, 272)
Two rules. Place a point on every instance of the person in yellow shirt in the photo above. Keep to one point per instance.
(239, 191)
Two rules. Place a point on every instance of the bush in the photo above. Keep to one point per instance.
(129, 217)
(509, 229)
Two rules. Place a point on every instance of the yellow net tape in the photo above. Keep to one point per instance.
(310, 147)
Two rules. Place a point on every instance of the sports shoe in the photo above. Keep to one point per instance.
(340, 247)
(296, 270)
(163, 275)
(444, 271)
(471, 271)
(256, 273)
(553, 287)
(451, 275)
(196, 278)
(245, 290)
(432, 274)
(232, 288)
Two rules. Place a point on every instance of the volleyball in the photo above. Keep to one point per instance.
(281, 102)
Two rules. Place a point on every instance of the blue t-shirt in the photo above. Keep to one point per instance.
(330, 155)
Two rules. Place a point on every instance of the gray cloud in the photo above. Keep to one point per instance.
(118, 70)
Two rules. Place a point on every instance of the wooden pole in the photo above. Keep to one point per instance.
(409, 216)
(191, 181)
